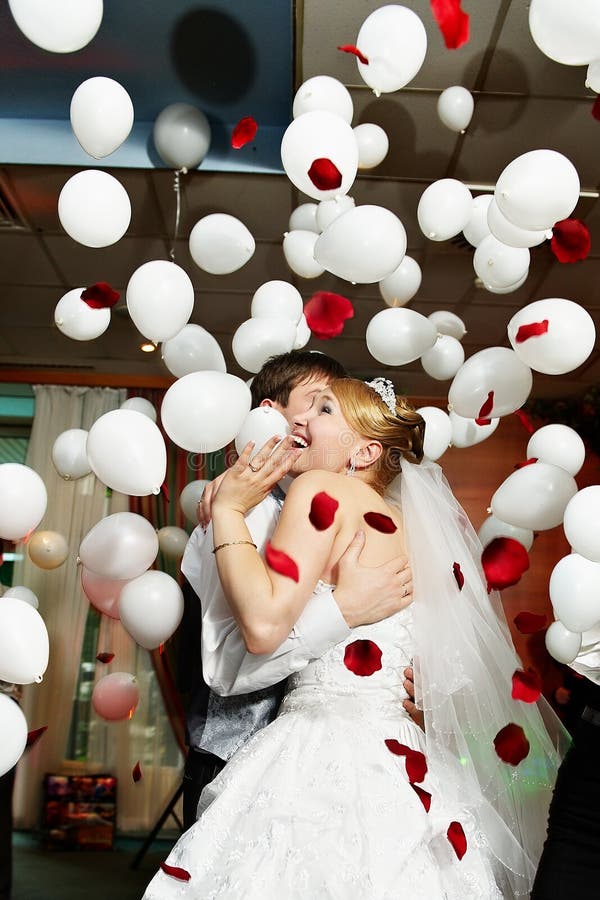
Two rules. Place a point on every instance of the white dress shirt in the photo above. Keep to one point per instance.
(587, 661)
(227, 666)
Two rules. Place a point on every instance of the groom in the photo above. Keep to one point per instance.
(246, 690)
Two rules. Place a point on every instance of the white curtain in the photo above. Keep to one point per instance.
(73, 508)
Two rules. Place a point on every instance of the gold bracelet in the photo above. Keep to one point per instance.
(231, 544)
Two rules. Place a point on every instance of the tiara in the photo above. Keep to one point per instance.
(385, 389)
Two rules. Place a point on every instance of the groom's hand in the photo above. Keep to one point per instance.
(409, 705)
(367, 594)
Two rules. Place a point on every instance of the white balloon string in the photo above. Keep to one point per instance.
(177, 189)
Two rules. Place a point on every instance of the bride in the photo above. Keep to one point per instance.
(343, 796)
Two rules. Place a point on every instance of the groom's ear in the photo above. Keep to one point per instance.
(369, 453)
(267, 402)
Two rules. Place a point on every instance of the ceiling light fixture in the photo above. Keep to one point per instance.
(148, 347)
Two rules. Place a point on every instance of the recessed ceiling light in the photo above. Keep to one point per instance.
(148, 347)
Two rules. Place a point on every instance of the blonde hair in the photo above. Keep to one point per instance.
(400, 435)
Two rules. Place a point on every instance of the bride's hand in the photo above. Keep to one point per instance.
(249, 481)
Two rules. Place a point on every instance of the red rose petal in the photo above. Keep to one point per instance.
(528, 462)
(326, 313)
(460, 578)
(457, 838)
(452, 22)
(525, 421)
(530, 623)
(483, 421)
(350, 48)
(380, 522)
(571, 240)
(165, 491)
(322, 511)
(511, 744)
(526, 686)
(423, 795)
(244, 132)
(175, 872)
(362, 657)
(532, 329)
(100, 296)
(504, 560)
(416, 764)
(280, 562)
(324, 174)
(105, 657)
(136, 773)
(487, 407)
(34, 736)
(596, 109)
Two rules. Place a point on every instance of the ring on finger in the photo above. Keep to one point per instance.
(405, 592)
(254, 468)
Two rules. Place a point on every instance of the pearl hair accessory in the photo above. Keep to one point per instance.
(385, 389)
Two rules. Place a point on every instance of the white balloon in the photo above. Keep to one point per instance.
(172, 541)
(509, 288)
(363, 245)
(160, 299)
(299, 252)
(402, 284)
(193, 349)
(314, 136)
(322, 92)
(537, 189)
(77, 320)
(567, 343)
(562, 645)
(101, 115)
(23, 501)
(582, 522)
(127, 452)
(260, 425)
(510, 234)
(203, 411)
(13, 727)
(455, 108)
(592, 78)
(63, 26)
(47, 549)
(467, 433)
(255, 340)
(396, 337)
(493, 528)
(497, 371)
(303, 334)
(141, 405)
(477, 227)
(575, 592)
(444, 209)
(24, 645)
(151, 608)
(438, 431)
(373, 145)
(568, 35)
(182, 135)
(499, 265)
(277, 300)
(395, 42)
(94, 208)
(534, 496)
(447, 322)
(329, 210)
(69, 454)
(444, 359)
(221, 244)
(559, 445)
(304, 218)
(120, 546)
(23, 593)
(189, 498)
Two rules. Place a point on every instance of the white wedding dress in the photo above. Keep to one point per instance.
(317, 806)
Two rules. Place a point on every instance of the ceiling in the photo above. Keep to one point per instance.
(246, 57)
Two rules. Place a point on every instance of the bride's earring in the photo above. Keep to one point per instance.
(351, 466)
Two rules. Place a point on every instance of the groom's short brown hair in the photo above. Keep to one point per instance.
(280, 374)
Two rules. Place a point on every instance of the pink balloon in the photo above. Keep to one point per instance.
(116, 696)
(103, 593)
